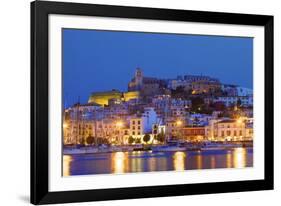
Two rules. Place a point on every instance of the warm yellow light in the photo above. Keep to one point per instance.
(239, 121)
(179, 122)
(67, 159)
(64, 125)
(119, 124)
(239, 158)
(179, 161)
(119, 162)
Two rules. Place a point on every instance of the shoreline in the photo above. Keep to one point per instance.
(155, 148)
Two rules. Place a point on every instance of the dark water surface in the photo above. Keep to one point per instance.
(126, 162)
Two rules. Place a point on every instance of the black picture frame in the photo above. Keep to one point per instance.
(39, 102)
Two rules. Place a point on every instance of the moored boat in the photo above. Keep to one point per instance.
(167, 148)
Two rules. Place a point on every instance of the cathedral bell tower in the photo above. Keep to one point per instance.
(138, 78)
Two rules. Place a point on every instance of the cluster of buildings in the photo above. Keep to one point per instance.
(156, 110)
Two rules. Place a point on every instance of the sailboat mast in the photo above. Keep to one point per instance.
(77, 121)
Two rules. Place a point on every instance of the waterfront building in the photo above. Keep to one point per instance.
(74, 119)
(142, 124)
(66, 129)
(136, 127)
(77, 131)
(193, 134)
(109, 130)
(229, 130)
(173, 127)
(158, 128)
(149, 117)
(249, 124)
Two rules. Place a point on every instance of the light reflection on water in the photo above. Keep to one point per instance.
(228, 160)
(239, 158)
(126, 162)
(67, 159)
(199, 161)
(213, 162)
(118, 162)
(179, 158)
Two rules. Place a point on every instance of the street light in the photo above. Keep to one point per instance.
(239, 121)
(179, 123)
(119, 124)
(64, 125)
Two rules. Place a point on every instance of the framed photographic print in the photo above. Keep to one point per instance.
(131, 102)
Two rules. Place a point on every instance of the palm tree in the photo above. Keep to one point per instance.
(90, 140)
(160, 137)
(131, 140)
(146, 138)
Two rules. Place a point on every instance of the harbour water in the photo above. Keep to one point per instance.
(148, 161)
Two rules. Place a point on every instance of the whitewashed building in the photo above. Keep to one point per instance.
(243, 91)
(233, 100)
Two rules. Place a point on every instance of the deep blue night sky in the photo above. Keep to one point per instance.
(104, 60)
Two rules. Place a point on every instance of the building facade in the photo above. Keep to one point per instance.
(228, 101)
(193, 134)
(146, 86)
(103, 98)
(229, 130)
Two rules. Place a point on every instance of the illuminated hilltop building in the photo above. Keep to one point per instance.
(147, 86)
(103, 98)
(198, 84)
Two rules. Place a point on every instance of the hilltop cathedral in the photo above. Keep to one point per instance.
(147, 86)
